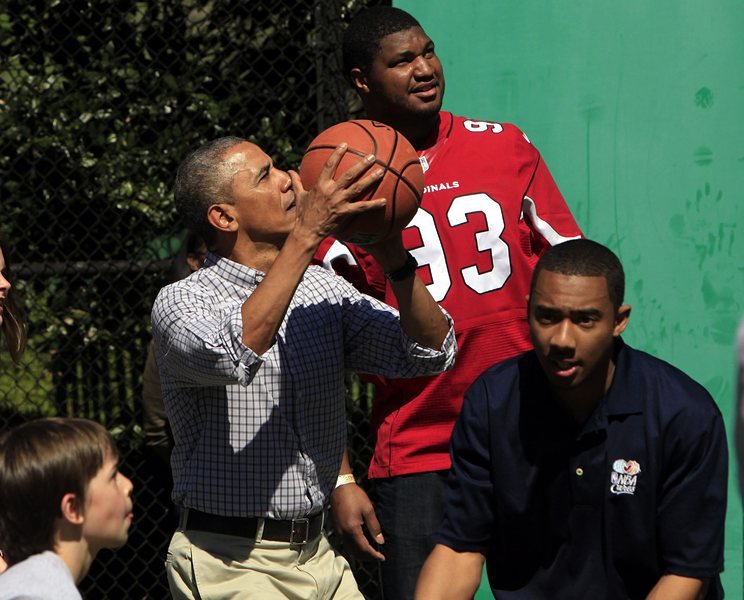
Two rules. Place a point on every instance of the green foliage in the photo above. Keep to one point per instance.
(103, 100)
(26, 388)
(100, 102)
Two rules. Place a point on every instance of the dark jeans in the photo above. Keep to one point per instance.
(410, 509)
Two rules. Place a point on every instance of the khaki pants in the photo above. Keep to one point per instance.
(211, 566)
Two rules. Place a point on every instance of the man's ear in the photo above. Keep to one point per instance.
(71, 508)
(622, 315)
(359, 80)
(222, 217)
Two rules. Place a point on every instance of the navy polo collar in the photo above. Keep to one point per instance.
(623, 398)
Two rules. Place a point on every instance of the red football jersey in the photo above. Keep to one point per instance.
(490, 208)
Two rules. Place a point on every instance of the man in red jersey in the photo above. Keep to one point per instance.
(490, 208)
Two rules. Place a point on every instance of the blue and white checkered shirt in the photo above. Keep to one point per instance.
(263, 435)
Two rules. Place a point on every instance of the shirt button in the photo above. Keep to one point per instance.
(579, 471)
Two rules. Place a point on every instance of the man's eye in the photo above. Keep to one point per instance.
(586, 322)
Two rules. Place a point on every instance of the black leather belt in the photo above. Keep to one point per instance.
(294, 531)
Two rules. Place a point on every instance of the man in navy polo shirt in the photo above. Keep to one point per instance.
(584, 468)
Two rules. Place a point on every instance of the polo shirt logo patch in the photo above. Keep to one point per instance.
(624, 476)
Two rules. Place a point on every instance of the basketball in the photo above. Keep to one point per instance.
(402, 183)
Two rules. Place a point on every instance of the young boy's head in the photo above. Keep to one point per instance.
(60, 484)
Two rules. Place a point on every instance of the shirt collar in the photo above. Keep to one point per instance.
(439, 135)
(623, 398)
(232, 271)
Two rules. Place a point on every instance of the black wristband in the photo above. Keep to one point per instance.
(404, 272)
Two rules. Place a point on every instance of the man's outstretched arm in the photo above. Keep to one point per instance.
(676, 587)
(450, 575)
(319, 211)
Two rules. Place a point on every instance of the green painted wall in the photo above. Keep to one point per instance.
(638, 109)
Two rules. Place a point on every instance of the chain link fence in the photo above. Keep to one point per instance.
(99, 102)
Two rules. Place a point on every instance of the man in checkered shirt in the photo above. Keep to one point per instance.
(252, 350)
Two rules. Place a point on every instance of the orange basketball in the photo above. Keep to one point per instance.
(402, 183)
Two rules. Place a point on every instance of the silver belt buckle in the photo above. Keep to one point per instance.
(300, 528)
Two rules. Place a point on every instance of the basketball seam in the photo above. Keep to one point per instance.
(394, 207)
(396, 172)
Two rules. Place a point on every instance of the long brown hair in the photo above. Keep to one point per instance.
(14, 322)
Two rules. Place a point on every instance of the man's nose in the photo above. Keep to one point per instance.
(423, 67)
(287, 181)
(563, 336)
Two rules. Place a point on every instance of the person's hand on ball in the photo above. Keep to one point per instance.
(330, 202)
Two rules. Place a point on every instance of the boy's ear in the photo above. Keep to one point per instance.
(71, 508)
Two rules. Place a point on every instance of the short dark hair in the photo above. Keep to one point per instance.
(14, 322)
(585, 258)
(40, 462)
(202, 180)
(361, 41)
